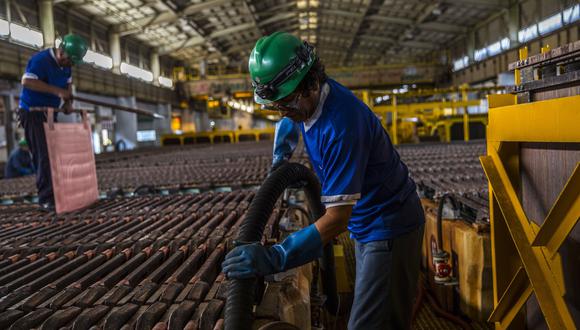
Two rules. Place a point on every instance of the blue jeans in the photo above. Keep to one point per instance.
(386, 278)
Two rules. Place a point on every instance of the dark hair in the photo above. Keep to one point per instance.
(315, 77)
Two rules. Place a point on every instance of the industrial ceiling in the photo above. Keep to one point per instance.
(346, 32)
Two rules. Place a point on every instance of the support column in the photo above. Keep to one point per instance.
(202, 68)
(395, 118)
(9, 106)
(471, 46)
(155, 68)
(115, 49)
(513, 23)
(46, 22)
(162, 126)
(465, 98)
(126, 123)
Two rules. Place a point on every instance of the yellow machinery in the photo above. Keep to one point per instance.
(533, 168)
(427, 119)
(218, 137)
(217, 110)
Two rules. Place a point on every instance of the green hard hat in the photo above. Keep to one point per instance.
(271, 56)
(75, 47)
(22, 142)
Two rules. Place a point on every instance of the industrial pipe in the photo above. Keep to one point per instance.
(241, 293)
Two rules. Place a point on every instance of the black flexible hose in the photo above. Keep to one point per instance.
(241, 293)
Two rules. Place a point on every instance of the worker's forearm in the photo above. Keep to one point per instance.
(333, 222)
(41, 86)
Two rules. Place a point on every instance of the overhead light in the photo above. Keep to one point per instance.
(100, 60)
(136, 72)
(26, 36)
(166, 82)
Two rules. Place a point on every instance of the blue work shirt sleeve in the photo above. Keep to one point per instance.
(344, 161)
(285, 140)
(35, 70)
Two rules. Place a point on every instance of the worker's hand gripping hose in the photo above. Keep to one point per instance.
(241, 293)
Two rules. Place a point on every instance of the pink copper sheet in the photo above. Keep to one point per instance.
(72, 164)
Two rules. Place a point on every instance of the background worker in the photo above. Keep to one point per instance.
(47, 83)
(19, 162)
(365, 186)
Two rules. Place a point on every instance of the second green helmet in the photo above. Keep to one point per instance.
(75, 47)
(274, 55)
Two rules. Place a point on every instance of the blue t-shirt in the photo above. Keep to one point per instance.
(43, 66)
(357, 164)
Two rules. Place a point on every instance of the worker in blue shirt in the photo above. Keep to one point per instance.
(19, 162)
(47, 83)
(366, 187)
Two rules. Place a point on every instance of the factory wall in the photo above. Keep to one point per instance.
(13, 60)
(478, 64)
(88, 77)
(491, 67)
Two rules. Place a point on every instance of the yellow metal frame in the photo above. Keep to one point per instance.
(525, 258)
(419, 109)
(234, 136)
(445, 125)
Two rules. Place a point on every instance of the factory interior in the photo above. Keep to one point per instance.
(289, 164)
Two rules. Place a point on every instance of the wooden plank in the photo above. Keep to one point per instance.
(545, 168)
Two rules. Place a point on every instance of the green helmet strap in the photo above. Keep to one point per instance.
(303, 58)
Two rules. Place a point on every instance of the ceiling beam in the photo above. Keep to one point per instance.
(285, 7)
(252, 14)
(482, 3)
(390, 20)
(443, 27)
(377, 38)
(166, 17)
(196, 41)
(277, 18)
(430, 26)
(343, 13)
(404, 41)
(333, 33)
(231, 30)
(355, 31)
(419, 44)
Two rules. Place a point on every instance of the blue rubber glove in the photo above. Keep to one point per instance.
(253, 260)
(285, 140)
